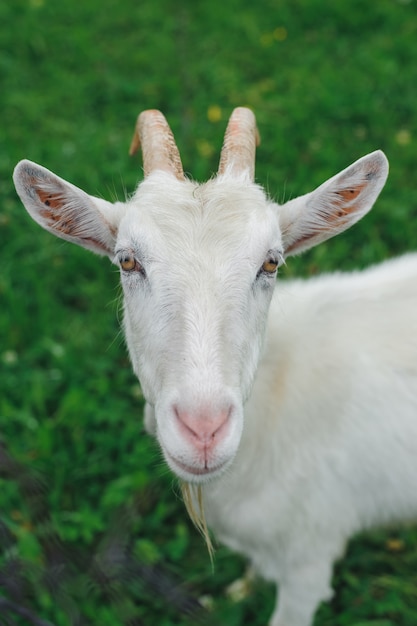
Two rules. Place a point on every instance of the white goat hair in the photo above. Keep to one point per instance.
(326, 444)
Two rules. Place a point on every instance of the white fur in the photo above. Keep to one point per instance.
(327, 443)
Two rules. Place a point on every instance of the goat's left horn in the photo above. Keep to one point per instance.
(159, 149)
(240, 141)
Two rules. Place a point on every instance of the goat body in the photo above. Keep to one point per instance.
(299, 448)
(329, 446)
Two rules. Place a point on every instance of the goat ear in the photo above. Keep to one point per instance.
(334, 206)
(66, 211)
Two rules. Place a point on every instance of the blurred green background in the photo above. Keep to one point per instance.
(92, 528)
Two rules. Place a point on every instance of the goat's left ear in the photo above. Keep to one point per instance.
(334, 206)
(66, 211)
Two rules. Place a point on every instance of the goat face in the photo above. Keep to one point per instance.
(198, 266)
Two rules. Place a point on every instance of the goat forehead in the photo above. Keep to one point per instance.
(185, 218)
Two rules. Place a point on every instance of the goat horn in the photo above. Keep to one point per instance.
(240, 141)
(159, 149)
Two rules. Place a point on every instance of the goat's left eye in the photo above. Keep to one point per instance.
(270, 266)
(128, 262)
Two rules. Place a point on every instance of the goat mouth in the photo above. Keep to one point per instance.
(198, 472)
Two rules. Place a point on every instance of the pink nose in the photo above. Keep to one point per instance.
(204, 429)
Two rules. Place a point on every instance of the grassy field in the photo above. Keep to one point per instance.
(92, 530)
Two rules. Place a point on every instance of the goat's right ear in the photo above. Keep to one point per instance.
(66, 211)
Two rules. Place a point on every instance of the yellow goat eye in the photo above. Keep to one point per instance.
(128, 263)
(270, 266)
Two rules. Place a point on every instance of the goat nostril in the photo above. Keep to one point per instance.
(204, 426)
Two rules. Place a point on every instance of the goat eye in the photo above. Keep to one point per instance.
(270, 266)
(128, 263)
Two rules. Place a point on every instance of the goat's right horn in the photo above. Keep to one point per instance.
(240, 141)
(159, 149)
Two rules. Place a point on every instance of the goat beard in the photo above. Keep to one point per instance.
(192, 496)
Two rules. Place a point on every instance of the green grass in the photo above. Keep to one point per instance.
(82, 486)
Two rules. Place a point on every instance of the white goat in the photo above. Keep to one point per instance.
(328, 444)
